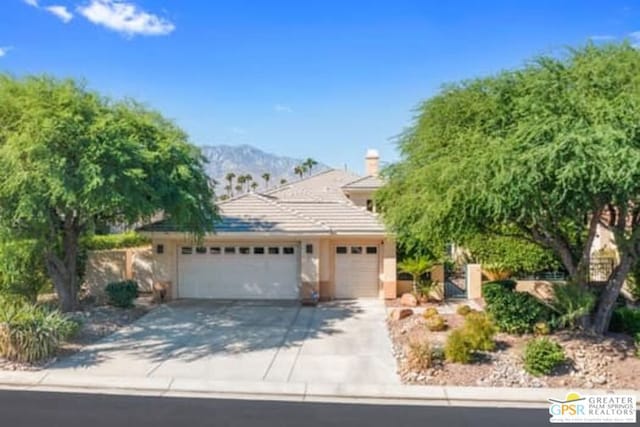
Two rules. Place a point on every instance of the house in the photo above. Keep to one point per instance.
(319, 234)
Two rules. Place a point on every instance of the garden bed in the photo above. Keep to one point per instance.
(606, 362)
(97, 321)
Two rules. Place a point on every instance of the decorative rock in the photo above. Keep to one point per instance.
(400, 313)
(599, 380)
(408, 300)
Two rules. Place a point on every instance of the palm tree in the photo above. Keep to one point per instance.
(223, 197)
(228, 188)
(300, 170)
(254, 185)
(283, 181)
(230, 177)
(266, 176)
(416, 267)
(248, 179)
(241, 181)
(309, 164)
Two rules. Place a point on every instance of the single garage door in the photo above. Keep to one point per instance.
(356, 271)
(239, 271)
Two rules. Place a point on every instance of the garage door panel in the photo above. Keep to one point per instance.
(238, 276)
(356, 271)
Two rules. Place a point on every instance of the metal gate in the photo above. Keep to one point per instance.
(455, 281)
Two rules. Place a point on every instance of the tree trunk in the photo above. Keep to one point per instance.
(64, 270)
(607, 300)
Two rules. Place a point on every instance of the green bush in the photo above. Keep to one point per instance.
(573, 303)
(431, 311)
(457, 348)
(625, 319)
(480, 331)
(22, 270)
(513, 312)
(122, 294)
(436, 323)
(515, 255)
(30, 333)
(542, 355)
(463, 310)
(129, 239)
(637, 342)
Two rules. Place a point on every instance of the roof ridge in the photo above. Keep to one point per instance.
(306, 178)
(276, 203)
(364, 178)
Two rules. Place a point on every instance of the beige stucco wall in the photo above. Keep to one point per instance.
(104, 267)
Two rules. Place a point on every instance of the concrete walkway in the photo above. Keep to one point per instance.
(251, 341)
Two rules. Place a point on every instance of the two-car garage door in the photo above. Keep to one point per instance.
(240, 271)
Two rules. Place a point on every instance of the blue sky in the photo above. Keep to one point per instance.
(323, 79)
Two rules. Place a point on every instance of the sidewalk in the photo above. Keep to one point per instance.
(300, 392)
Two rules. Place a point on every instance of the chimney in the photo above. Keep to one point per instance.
(372, 162)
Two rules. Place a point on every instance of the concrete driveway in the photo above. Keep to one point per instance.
(337, 342)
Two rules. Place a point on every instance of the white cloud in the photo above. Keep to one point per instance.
(4, 50)
(635, 39)
(280, 108)
(61, 12)
(126, 18)
(33, 3)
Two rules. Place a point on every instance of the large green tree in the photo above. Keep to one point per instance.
(548, 151)
(71, 159)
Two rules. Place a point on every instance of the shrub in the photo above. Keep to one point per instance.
(419, 354)
(122, 294)
(436, 323)
(458, 348)
(572, 302)
(496, 271)
(22, 269)
(480, 331)
(637, 342)
(625, 319)
(513, 312)
(541, 328)
(463, 310)
(30, 333)
(431, 311)
(542, 355)
(129, 239)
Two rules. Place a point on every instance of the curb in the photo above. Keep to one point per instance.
(299, 392)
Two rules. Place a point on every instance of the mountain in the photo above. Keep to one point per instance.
(246, 159)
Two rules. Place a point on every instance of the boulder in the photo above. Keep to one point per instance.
(408, 300)
(400, 313)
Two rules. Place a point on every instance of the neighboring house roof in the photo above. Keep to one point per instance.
(312, 205)
(365, 183)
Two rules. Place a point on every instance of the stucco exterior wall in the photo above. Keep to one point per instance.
(104, 267)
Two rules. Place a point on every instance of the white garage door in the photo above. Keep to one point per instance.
(356, 271)
(239, 271)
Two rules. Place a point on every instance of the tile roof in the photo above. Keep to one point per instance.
(315, 204)
(367, 182)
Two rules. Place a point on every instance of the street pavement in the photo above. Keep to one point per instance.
(51, 409)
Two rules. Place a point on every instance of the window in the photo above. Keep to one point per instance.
(372, 250)
(287, 250)
(356, 250)
(370, 205)
(201, 250)
(186, 250)
(341, 250)
(159, 249)
(229, 250)
(309, 249)
(258, 251)
(274, 250)
(244, 250)
(214, 250)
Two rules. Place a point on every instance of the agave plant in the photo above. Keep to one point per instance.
(496, 271)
